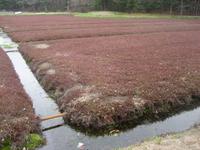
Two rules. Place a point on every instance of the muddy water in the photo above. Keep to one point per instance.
(66, 138)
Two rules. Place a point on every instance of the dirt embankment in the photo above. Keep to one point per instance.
(17, 119)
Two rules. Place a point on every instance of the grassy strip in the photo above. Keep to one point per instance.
(119, 15)
(32, 142)
(104, 14)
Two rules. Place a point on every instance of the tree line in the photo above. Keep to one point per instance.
(33, 5)
(181, 7)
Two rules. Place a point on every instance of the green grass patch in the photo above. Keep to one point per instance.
(119, 15)
(157, 140)
(33, 141)
(6, 145)
(105, 14)
(9, 46)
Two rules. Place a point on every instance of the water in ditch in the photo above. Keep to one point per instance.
(64, 137)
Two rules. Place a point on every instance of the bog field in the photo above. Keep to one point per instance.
(106, 73)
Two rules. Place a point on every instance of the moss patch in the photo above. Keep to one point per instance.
(9, 45)
(6, 145)
(33, 141)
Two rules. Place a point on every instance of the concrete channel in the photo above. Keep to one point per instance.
(60, 136)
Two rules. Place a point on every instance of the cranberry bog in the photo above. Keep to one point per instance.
(16, 113)
(107, 74)
(127, 78)
(40, 28)
(110, 75)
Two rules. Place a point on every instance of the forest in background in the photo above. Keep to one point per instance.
(177, 7)
(181, 7)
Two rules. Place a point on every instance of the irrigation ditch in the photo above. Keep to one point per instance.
(61, 136)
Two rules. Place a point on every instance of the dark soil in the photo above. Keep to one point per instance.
(104, 82)
(17, 117)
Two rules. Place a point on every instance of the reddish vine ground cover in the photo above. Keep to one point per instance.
(33, 21)
(104, 81)
(17, 118)
(78, 28)
(58, 27)
(79, 25)
(42, 35)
